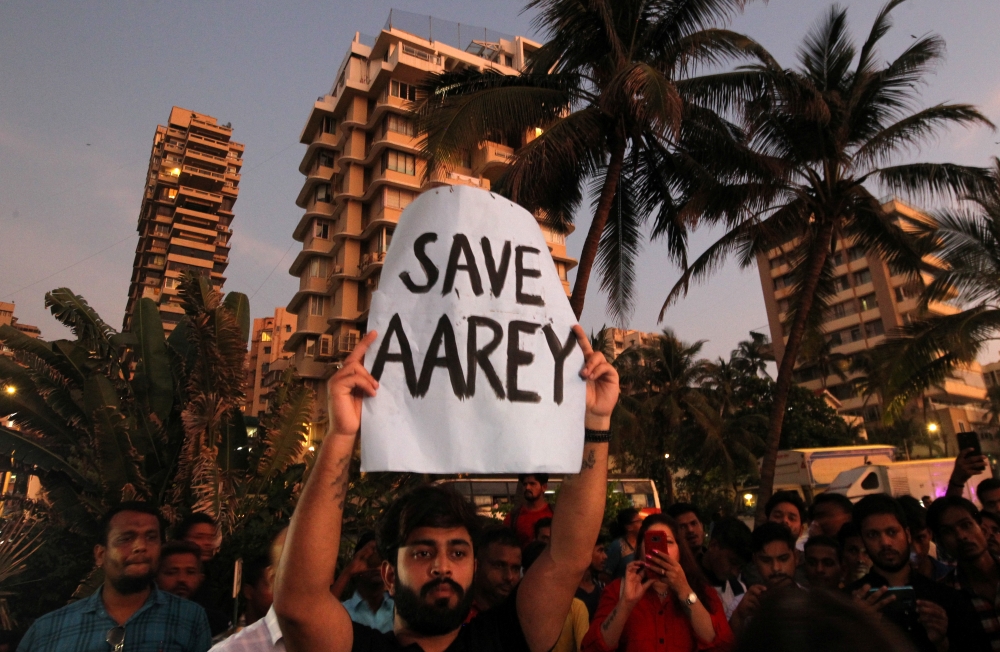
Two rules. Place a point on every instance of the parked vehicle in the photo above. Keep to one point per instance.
(917, 478)
(811, 470)
(491, 496)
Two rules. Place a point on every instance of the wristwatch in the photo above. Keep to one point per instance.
(691, 599)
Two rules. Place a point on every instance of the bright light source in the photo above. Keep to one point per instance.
(11, 389)
(748, 497)
(312, 448)
(175, 172)
(538, 132)
(666, 456)
(932, 427)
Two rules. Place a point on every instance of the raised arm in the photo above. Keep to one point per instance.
(545, 593)
(311, 617)
(967, 465)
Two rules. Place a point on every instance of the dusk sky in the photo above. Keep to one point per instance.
(84, 84)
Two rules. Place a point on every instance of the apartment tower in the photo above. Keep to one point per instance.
(362, 167)
(869, 303)
(187, 209)
(267, 355)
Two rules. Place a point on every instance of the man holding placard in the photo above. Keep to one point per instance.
(426, 538)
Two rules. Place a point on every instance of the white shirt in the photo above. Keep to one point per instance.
(262, 636)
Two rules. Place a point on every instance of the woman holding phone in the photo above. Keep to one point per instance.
(662, 603)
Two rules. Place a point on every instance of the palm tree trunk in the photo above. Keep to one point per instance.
(783, 383)
(589, 253)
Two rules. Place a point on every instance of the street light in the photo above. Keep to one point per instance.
(666, 456)
(932, 427)
(11, 389)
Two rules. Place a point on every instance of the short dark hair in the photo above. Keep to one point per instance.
(197, 518)
(823, 540)
(734, 535)
(989, 484)
(826, 498)
(916, 514)
(364, 539)
(939, 506)
(254, 570)
(791, 497)
(984, 515)
(437, 506)
(543, 478)
(496, 535)
(875, 505)
(847, 531)
(128, 506)
(540, 523)
(181, 548)
(531, 554)
(679, 509)
(769, 533)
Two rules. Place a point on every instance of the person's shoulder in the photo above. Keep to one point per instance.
(250, 637)
(368, 639)
(182, 606)
(53, 617)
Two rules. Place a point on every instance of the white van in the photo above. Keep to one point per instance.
(917, 478)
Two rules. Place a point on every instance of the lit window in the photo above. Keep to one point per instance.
(265, 336)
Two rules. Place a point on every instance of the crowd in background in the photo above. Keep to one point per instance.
(920, 574)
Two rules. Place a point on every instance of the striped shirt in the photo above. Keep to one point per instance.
(165, 623)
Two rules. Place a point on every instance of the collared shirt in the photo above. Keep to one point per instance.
(523, 522)
(362, 614)
(655, 626)
(987, 611)
(730, 592)
(165, 623)
(261, 636)
(964, 629)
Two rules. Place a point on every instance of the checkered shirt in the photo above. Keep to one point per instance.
(988, 613)
(165, 623)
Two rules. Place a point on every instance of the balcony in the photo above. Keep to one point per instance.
(230, 188)
(312, 284)
(491, 157)
(345, 344)
(202, 172)
(441, 177)
(211, 143)
(202, 195)
(369, 262)
(211, 128)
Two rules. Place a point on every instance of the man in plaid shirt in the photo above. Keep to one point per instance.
(955, 523)
(127, 612)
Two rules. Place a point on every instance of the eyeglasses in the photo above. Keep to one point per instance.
(116, 638)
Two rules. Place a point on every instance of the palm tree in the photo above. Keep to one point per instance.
(925, 352)
(662, 402)
(817, 355)
(751, 356)
(614, 89)
(821, 133)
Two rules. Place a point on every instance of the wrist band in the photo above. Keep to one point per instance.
(596, 436)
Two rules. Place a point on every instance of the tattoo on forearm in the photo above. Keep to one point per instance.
(607, 621)
(590, 461)
(340, 483)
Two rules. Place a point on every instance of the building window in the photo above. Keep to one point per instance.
(317, 305)
(403, 90)
(396, 198)
(319, 267)
(171, 282)
(904, 292)
(399, 162)
(783, 305)
(326, 158)
(169, 193)
(838, 259)
(322, 230)
(874, 328)
(157, 260)
(310, 346)
(862, 277)
(841, 283)
(323, 192)
(855, 253)
(329, 124)
(265, 336)
(267, 351)
(868, 302)
(288, 328)
(161, 229)
(783, 282)
(399, 124)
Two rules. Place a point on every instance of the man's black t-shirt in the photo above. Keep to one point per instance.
(496, 630)
(965, 632)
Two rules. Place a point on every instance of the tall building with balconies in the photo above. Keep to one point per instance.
(363, 166)
(267, 354)
(187, 208)
(870, 302)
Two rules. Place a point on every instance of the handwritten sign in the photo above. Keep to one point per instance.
(478, 369)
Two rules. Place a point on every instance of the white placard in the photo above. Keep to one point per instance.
(477, 364)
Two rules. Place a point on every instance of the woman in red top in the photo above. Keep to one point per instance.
(663, 604)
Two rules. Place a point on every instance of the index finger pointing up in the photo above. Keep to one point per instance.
(358, 354)
(583, 340)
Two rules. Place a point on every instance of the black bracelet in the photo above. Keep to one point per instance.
(596, 436)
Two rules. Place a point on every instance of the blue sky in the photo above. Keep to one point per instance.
(84, 85)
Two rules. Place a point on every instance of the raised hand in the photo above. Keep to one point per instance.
(347, 387)
(934, 619)
(602, 384)
(633, 588)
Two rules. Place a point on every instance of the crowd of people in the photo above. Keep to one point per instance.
(882, 574)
